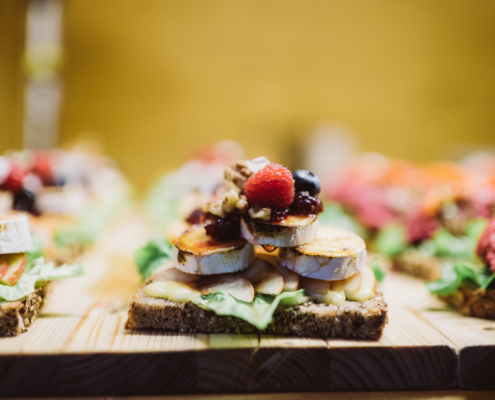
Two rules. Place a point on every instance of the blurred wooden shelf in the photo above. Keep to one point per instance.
(79, 347)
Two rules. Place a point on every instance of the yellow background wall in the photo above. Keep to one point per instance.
(11, 44)
(157, 78)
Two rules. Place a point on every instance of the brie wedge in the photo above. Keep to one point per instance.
(15, 236)
(197, 253)
(292, 231)
(335, 254)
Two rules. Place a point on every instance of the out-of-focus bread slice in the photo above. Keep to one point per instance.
(477, 303)
(419, 265)
(17, 316)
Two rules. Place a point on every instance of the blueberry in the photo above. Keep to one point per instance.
(24, 200)
(306, 181)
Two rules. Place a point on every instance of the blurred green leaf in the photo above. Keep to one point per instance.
(391, 240)
(152, 256)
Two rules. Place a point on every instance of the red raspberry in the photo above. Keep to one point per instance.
(272, 186)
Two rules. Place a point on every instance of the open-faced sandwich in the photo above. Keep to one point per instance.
(469, 287)
(70, 196)
(254, 260)
(23, 275)
(444, 226)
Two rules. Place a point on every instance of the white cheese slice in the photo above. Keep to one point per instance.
(197, 253)
(15, 236)
(292, 231)
(335, 254)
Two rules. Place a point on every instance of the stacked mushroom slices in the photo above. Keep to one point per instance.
(329, 263)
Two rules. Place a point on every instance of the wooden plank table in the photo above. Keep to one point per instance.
(79, 346)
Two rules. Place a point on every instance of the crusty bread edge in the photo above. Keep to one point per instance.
(477, 303)
(17, 316)
(363, 320)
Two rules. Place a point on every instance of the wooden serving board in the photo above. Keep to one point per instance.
(79, 347)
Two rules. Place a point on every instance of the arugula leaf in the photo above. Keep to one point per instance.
(38, 273)
(448, 283)
(258, 313)
(448, 245)
(152, 256)
(378, 270)
(461, 272)
(391, 240)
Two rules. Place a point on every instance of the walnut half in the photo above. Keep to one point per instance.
(238, 173)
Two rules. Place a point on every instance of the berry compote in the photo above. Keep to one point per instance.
(305, 204)
(225, 228)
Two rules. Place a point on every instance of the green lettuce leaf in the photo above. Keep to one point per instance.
(49, 272)
(391, 240)
(460, 272)
(258, 313)
(152, 256)
(378, 270)
(25, 285)
(38, 272)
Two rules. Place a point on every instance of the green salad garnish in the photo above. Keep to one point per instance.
(455, 274)
(152, 256)
(36, 273)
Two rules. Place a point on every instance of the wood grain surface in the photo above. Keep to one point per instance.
(79, 347)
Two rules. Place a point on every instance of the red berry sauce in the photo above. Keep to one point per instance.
(225, 228)
(305, 204)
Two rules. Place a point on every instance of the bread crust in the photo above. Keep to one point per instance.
(363, 320)
(478, 303)
(17, 316)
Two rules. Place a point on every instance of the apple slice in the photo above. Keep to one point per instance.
(353, 283)
(361, 286)
(237, 285)
(292, 281)
(169, 273)
(338, 286)
(4, 265)
(368, 278)
(317, 286)
(264, 277)
(16, 265)
(234, 284)
(320, 291)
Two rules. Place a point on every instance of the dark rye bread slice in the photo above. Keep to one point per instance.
(17, 316)
(478, 303)
(363, 320)
(419, 265)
